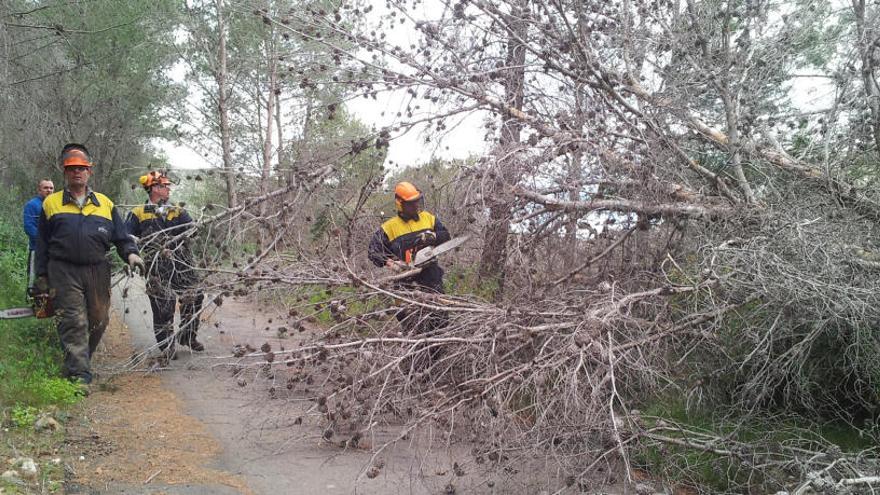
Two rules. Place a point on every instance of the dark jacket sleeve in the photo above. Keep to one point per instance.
(183, 223)
(443, 235)
(124, 244)
(380, 248)
(31, 218)
(41, 262)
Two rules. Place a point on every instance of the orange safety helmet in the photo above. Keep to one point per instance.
(152, 178)
(405, 192)
(75, 155)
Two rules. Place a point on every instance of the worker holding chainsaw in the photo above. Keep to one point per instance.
(162, 229)
(398, 241)
(405, 242)
(75, 231)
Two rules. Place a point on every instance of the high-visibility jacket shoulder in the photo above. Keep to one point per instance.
(80, 235)
(144, 220)
(169, 258)
(397, 227)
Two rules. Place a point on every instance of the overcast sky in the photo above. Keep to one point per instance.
(463, 138)
(465, 134)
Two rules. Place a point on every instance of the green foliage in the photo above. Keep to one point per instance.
(723, 474)
(24, 416)
(355, 303)
(320, 225)
(464, 281)
(100, 79)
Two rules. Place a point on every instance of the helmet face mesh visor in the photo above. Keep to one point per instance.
(153, 178)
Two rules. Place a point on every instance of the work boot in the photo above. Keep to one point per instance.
(165, 337)
(190, 341)
(170, 352)
(83, 384)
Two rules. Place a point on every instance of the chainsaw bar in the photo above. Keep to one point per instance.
(428, 254)
(6, 314)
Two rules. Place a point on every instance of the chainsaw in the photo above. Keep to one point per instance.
(430, 253)
(41, 306)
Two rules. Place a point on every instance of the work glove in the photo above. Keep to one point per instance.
(427, 238)
(41, 285)
(395, 266)
(135, 265)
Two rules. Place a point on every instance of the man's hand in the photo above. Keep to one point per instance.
(41, 285)
(427, 238)
(395, 266)
(135, 265)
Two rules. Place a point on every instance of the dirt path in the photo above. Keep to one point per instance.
(196, 429)
(134, 437)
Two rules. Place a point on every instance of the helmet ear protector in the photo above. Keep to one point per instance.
(153, 178)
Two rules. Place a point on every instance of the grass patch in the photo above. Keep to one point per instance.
(30, 352)
(30, 381)
(319, 299)
(722, 474)
(44, 449)
(464, 281)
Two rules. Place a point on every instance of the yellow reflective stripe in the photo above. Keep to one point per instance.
(141, 215)
(397, 227)
(54, 205)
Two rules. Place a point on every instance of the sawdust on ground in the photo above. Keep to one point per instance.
(133, 430)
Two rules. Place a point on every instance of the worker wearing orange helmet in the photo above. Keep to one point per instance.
(162, 230)
(399, 239)
(75, 231)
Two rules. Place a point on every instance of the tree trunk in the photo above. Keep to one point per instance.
(494, 254)
(283, 162)
(267, 136)
(866, 48)
(571, 242)
(270, 121)
(223, 110)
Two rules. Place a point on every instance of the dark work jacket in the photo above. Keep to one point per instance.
(156, 233)
(80, 236)
(398, 239)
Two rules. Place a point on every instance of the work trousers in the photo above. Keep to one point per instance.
(82, 309)
(166, 285)
(422, 322)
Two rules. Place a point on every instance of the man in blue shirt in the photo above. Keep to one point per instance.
(31, 219)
